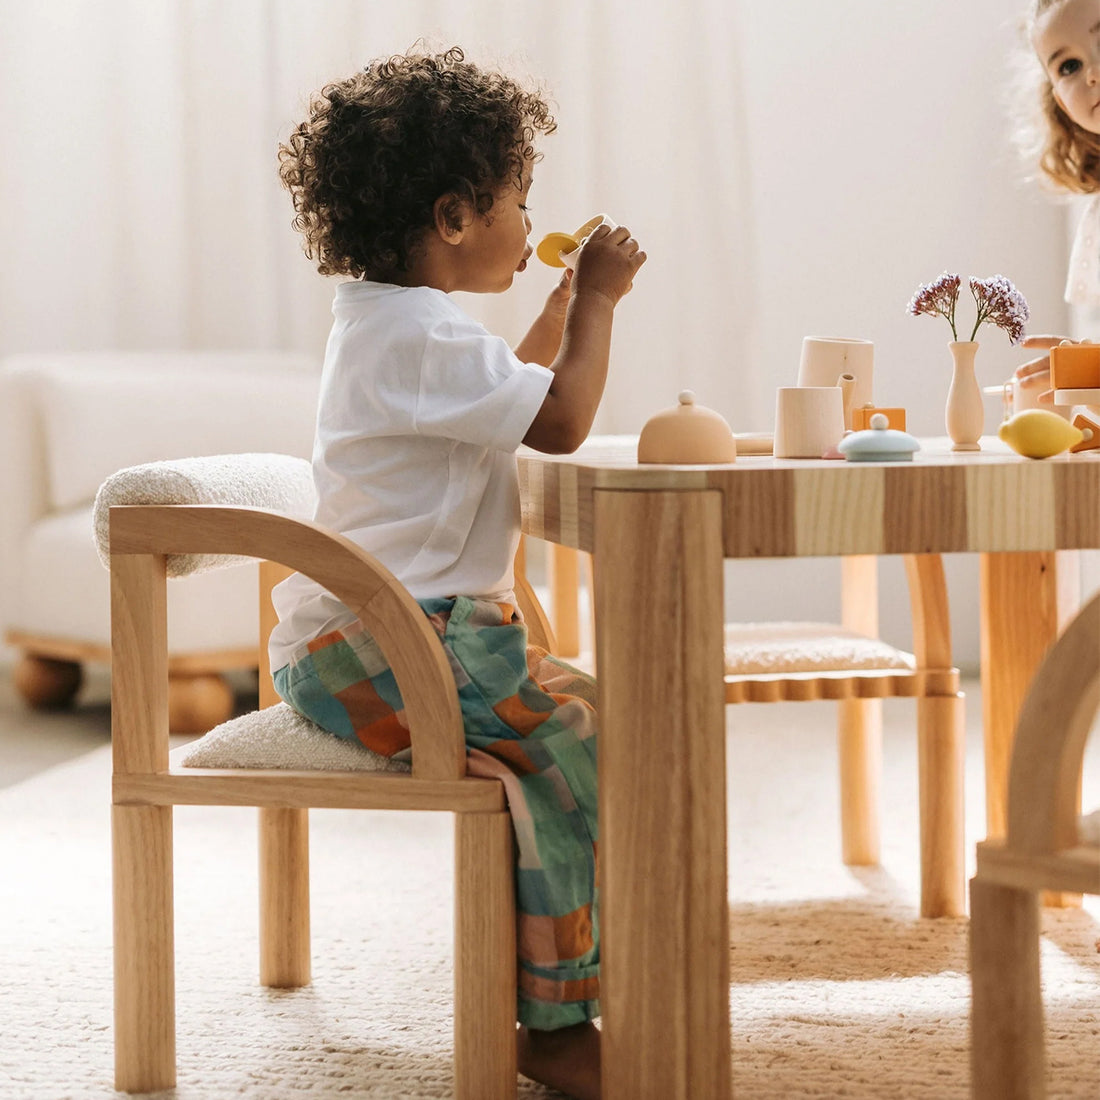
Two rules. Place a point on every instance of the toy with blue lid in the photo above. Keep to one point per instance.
(878, 443)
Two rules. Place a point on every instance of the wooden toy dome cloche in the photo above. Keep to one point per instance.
(687, 435)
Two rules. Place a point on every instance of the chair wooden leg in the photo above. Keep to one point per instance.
(145, 994)
(859, 741)
(485, 958)
(284, 898)
(941, 749)
(1007, 1059)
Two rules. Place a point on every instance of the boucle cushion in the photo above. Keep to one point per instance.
(776, 648)
(281, 483)
(279, 737)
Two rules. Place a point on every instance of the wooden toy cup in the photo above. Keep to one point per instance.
(826, 358)
(809, 420)
(562, 249)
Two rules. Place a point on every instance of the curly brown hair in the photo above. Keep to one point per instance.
(1067, 155)
(379, 148)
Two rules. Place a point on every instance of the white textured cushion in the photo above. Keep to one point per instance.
(278, 482)
(788, 647)
(279, 737)
(101, 413)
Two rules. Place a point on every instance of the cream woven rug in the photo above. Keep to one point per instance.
(839, 990)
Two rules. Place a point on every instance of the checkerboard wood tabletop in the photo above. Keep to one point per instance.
(941, 502)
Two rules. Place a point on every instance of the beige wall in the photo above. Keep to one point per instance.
(879, 154)
(793, 167)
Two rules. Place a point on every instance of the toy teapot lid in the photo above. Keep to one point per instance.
(687, 434)
(878, 443)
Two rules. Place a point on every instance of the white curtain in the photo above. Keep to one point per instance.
(142, 209)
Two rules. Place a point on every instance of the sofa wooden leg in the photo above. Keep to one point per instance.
(198, 703)
(46, 683)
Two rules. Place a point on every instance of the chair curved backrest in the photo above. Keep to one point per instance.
(1044, 850)
(1051, 735)
(359, 581)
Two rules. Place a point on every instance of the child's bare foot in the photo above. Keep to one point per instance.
(567, 1059)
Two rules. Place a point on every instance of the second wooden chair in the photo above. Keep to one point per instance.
(849, 663)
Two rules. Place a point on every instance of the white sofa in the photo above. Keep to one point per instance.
(68, 421)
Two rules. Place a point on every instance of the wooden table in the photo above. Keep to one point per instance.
(659, 535)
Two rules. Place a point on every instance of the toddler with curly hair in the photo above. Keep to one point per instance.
(411, 178)
(1062, 135)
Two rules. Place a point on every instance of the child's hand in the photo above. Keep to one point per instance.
(1034, 375)
(557, 301)
(608, 262)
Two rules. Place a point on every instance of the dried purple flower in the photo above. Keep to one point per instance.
(998, 301)
(938, 297)
(1001, 304)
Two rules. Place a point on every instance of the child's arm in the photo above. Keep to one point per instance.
(543, 339)
(604, 273)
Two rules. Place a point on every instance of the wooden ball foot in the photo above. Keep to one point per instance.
(198, 703)
(45, 683)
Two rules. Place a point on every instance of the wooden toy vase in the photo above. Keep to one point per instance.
(965, 414)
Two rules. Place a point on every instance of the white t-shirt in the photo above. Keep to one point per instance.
(420, 414)
(1083, 274)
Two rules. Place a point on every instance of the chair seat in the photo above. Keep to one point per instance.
(279, 737)
(754, 649)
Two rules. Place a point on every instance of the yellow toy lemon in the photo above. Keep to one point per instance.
(1039, 433)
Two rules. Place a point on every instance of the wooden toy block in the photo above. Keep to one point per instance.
(1087, 423)
(1075, 367)
(861, 418)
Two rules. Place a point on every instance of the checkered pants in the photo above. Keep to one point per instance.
(530, 723)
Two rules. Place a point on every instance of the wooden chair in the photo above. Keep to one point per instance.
(149, 780)
(849, 664)
(1043, 850)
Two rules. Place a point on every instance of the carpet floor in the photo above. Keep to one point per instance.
(838, 988)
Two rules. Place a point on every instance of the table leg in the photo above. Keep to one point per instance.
(1026, 600)
(663, 898)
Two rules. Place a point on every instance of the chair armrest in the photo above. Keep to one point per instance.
(358, 580)
(1049, 747)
